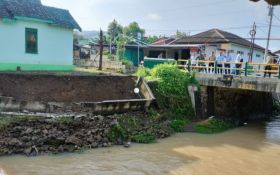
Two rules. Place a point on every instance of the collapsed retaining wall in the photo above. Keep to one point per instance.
(60, 94)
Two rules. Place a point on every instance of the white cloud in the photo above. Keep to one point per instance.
(154, 16)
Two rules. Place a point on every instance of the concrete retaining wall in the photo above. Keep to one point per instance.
(93, 94)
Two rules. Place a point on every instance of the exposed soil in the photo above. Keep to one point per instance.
(66, 88)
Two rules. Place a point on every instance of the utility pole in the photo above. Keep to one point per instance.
(139, 36)
(270, 14)
(101, 49)
(253, 33)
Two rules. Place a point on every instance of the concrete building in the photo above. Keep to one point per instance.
(35, 37)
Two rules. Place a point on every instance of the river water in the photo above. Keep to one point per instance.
(249, 150)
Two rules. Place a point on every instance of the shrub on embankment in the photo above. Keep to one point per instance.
(215, 125)
(171, 91)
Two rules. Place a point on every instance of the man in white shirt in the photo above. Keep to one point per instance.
(237, 61)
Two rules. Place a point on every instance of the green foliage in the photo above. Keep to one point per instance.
(133, 29)
(77, 37)
(127, 63)
(179, 125)
(215, 126)
(172, 94)
(121, 47)
(143, 72)
(117, 132)
(143, 137)
(151, 39)
(180, 34)
(115, 30)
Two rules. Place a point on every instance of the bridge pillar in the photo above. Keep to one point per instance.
(202, 101)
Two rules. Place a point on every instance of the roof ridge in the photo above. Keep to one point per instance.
(219, 33)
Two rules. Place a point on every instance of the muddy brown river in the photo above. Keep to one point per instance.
(249, 150)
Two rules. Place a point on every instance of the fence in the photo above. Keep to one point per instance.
(242, 68)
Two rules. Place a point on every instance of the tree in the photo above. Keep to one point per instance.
(133, 29)
(151, 39)
(180, 34)
(122, 41)
(114, 30)
(77, 37)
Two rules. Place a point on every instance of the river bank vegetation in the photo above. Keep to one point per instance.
(170, 88)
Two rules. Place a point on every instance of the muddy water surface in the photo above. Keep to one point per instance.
(250, 150)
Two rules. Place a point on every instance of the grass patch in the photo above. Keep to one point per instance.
(215, 126)
(143, 137)
(178, 125)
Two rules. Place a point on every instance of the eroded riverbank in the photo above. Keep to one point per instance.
(254, 149)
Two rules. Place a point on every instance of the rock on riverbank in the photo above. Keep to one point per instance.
(37, 135)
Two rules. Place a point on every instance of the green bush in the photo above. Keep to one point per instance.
(172, 94)
(215, 126)
(143, 72)
(143, 137)
(179, 125)
(127, 63)
(117, 132)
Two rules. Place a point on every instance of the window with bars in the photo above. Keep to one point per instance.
(31, 41)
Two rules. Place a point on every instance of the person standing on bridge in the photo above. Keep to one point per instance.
(200, 58)
(268, 67)
(220, 61)
(237, 63)
(211, 65)
(228, 59)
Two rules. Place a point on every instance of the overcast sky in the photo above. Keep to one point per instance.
(164, 17)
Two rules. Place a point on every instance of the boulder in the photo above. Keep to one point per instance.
(74, 141)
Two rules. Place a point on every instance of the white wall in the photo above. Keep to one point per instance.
(55, 44)
(235, 48)
(246, 51)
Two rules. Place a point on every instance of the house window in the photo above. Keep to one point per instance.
(258, 55)
(31, 41)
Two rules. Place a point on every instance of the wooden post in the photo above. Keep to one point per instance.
(101, 49)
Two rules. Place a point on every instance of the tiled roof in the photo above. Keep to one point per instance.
(215, 36)
(34, 9)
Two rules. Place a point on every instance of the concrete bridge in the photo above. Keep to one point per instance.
(240, 82)
(234, 96)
